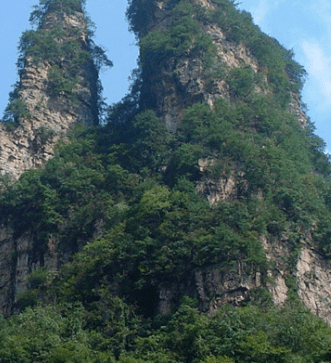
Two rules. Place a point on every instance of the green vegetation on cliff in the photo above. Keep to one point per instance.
(121, 203)
(66, 51)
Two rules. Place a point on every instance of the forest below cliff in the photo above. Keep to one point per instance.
(121, 201)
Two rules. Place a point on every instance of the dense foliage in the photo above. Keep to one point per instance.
(120, 202)
(61, 335)
(185, 38)
(61, 6)
(138, 227)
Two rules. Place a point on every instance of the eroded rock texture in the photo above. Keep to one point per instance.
(181, 82)
(31, 143)
(214, 287)
(314, 282)
(312, 274)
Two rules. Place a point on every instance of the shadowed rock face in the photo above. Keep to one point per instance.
(32, 142)
(214, 287)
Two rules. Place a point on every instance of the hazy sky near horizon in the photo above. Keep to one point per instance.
(302, 25)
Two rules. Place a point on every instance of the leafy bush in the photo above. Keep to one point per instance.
(18, 110)
(241, 81)
(62, 6)
(183, 38)
(40, 44)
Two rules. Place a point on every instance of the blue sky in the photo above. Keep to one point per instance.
(304, 25)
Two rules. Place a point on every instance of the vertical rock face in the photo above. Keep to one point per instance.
(214, 287)
(295, 109)
(30, 143)
(51, 115)
(314, 282)
(19, 256)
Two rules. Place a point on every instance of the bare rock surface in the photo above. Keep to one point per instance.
(216, 189)
(314, 282)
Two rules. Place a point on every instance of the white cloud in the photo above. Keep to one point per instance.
(319, 70)
(318, 55)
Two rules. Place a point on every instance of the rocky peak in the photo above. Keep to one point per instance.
(178, 82)
(57, 89)
(50, 114)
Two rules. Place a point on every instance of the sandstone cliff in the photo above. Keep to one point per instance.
(181, 82)
(29, 144)
(30, 141)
